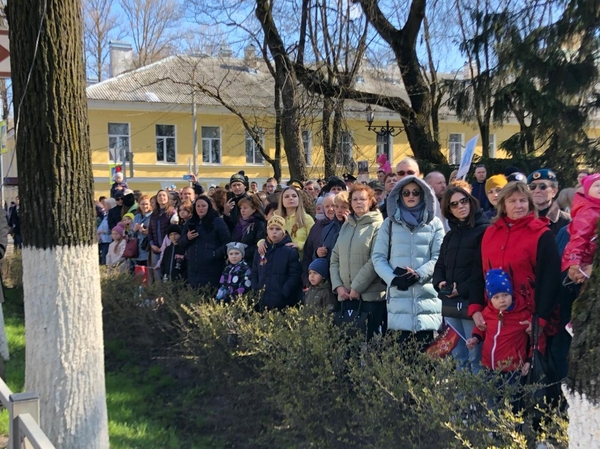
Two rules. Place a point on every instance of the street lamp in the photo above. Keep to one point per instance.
(386, 130)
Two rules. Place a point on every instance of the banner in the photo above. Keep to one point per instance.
(467, 158)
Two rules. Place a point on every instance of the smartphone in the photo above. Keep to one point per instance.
(230, 196)
(187, 177)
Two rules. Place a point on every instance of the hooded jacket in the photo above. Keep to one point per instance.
(582, 230)
(418, 308)
(350, 265)
(457, 255)
(310, 247)
(278, 273)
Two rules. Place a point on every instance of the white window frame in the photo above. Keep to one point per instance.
(492, 146)
(256, 154)
(381, 144)
(455, 148)
(344, 135)
(164, 140)
(307, 143)
(209, 141)
(121, 156)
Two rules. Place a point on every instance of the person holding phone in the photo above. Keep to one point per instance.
(204, 238)
(238, 185)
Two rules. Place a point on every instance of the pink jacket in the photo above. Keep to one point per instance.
(582, 231)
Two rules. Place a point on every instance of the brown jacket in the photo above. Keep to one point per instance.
(321, 296)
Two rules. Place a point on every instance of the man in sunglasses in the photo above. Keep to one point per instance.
(544, 188)
(408, 167)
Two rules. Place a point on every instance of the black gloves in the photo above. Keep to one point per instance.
(403, 279)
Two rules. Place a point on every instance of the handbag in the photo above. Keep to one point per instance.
(131, 248)
(145, 244)
(455, 308)
(542, 377)
(356, 321)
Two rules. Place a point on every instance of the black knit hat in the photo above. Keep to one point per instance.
(174, 228)
(239, 177)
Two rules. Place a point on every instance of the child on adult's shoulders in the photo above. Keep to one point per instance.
(319, 293)
(236, 278)
(505, 339)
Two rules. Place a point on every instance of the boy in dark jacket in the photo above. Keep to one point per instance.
(278, 272)
(172, 265)
(235, 279)
(320, 293)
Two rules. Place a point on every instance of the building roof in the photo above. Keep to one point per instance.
(241, 83)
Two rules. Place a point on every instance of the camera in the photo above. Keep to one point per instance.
(447, 289)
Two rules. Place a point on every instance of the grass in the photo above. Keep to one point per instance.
(138, 418)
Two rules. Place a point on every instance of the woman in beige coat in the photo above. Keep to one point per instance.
(353, 277)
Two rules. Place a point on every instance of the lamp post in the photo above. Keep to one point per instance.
(386, 130)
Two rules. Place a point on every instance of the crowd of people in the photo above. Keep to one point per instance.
(493, 259)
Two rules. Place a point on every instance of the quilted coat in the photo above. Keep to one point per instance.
(351, 264)
(418, 308)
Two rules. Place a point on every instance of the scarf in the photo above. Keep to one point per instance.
(241, 228)
(412, 216)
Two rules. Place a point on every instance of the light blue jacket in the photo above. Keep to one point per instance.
(418, 308)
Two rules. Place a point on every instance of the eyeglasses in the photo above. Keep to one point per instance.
(405, 173)
(416, 193)
(532, 187)
(454, 204)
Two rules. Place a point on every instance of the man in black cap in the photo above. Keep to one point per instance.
(543, 185)
(238, 185)
(379, 192)
(349, 179)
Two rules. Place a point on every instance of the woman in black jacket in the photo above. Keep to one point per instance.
(454, 267)
(251, 226)
(204, 238)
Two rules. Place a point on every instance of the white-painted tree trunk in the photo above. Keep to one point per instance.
(64, 344)
(584, 421)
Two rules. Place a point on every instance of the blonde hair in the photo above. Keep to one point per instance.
(342, 198)
(507, 191)
(300, 212)
(462, 184)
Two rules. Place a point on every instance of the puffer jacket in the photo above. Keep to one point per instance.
(351, 264)
(582, 230)
(457, 255)
(418, 308)
(279, 274)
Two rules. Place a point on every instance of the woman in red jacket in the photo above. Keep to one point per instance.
(522, 245)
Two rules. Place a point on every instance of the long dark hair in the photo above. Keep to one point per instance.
(209, 218)
(445, 205)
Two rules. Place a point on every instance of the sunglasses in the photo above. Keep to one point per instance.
(532, 187)
(454, 204)
(405, 173)
(416, 193)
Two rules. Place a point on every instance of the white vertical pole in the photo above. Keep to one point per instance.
(195, 131)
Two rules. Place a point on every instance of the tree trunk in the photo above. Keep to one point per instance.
(583, 391)
(63, 311)
(329, 149)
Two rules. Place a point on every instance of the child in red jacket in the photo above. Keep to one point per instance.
(505, 340)
(579, 252)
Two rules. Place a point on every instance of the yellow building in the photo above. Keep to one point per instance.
(150, 113)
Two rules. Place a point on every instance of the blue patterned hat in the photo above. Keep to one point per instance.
(497, 281)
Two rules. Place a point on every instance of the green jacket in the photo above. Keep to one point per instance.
(320, 296)
(351, 264)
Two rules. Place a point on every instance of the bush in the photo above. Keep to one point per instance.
(12, 270)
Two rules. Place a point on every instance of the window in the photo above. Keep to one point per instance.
(165, 143)
(307, 143)
(492, 146)
(253, 155)
(118, 142)
(384, 145)
(455, 148)
(211, 144)
(344, 153)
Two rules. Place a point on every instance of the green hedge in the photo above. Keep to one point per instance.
(292, 379)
